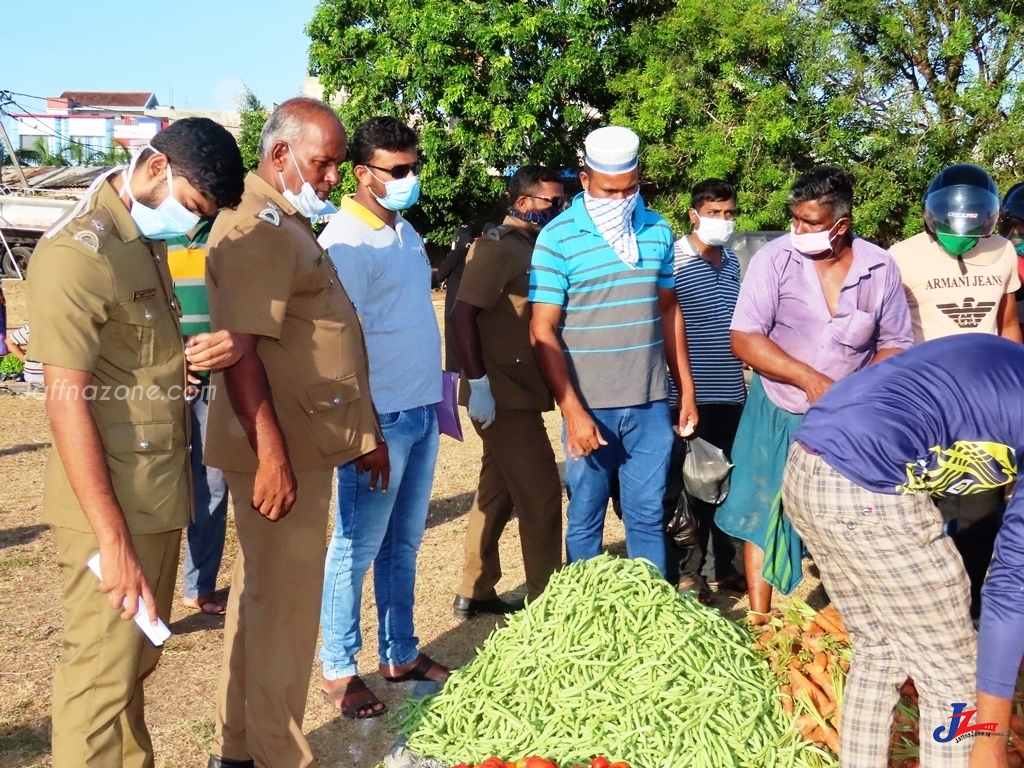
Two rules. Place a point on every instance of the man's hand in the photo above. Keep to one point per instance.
(582, 436)
(273, 493)
(815, 385)
(688, 417)
(212, 351)
(482, 407)
(123, 580)
(988, 752)
(378, 464)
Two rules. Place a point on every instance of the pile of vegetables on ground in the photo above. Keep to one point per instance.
(810, 654)
(611, 661)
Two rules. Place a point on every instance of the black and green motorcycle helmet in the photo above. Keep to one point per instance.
(961, 206)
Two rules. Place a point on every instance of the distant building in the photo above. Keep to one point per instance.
(97, 121)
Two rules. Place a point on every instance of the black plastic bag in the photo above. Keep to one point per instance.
(706, 472)
(682, 526)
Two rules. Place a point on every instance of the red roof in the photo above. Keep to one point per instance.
(132, 99)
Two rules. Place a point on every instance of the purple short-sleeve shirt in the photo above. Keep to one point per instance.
(781, 298)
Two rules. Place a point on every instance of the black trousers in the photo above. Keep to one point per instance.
(978, 518)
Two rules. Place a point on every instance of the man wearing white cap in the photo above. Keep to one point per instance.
(605, 319)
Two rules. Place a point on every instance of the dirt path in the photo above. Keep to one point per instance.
(180, 695)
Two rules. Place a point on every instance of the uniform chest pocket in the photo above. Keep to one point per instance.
(138, 323)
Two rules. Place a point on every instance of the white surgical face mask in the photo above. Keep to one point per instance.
(167, 220)
(399, 194)
(812, 243)
(306, 202)
(714, 231)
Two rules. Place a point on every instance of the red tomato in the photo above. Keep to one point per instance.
(521, 762)
(509, 764)
(462, 765)
(600, 762)
(493, 762)
(619, 764)
(539, 762)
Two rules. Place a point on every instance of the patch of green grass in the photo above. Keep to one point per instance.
(8, 564)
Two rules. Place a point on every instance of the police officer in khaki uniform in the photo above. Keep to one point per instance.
(299, 406)
(105, 327)
(505, 393)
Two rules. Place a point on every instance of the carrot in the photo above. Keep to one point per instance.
(908, 689)
(833, 627)
(831, 737)
(802, 684)
(1013, 760)
(790, 631)
(815, 735)
(844, 665)
(821, 679)
(805, 724)
(821, 660)
(826, 709)
(786, 693)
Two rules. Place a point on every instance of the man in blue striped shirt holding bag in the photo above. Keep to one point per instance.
(605, 320)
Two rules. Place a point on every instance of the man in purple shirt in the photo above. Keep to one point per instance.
(816, 304)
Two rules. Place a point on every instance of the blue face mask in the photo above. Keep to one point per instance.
(399, 194)
(167, 220)
(305, 201)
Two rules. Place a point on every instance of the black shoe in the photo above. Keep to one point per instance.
(216, 761)
(466, 608)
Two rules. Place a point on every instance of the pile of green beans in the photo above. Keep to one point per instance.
(610, 660)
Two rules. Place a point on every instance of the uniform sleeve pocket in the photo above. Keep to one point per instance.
(332, 411)
(148, 437)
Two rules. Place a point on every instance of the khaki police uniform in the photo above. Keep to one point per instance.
(101, 300)
(518, 469)
(268, 276)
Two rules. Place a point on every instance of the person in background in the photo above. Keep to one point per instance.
(1011, 226)
(959, 277)
(204, 544)
(385, 270)
(605, 321)
(18, 343)
(506, 395)
(293, 408)
(868, 460)
(815, 305)
(104, 317)
(707, 284)
(449, 274)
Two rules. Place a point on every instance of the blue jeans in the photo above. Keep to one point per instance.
(639, 446)
(385, 529)
(205, 540)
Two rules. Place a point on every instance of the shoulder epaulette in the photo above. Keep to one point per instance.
(270, 213)
(90, 229)
(498, 232)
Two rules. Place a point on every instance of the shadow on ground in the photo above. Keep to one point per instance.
(22, 534)
(22, 744)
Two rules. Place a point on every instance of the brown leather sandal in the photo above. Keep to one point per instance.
(355, 699)
(419, 671)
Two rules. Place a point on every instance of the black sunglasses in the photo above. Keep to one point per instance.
(400, 171)
(556, 202)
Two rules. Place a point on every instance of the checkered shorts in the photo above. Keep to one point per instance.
(903, 594)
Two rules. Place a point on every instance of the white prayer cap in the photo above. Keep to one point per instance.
(612, 150)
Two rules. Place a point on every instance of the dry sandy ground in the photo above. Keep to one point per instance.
(180, 694)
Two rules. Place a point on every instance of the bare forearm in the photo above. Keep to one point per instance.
(881, 354)
(251, 399)
(553, 368)
(77, 440)
(467, 339)
(767, 358)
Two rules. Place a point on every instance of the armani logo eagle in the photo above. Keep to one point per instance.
(970, 314)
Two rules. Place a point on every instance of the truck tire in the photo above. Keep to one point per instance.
(19, 255)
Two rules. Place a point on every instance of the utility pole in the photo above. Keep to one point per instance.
(10, 150)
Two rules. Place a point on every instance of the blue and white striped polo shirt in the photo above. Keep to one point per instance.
(611, 324)
(707, 297)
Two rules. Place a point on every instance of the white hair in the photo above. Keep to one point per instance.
(288, 122)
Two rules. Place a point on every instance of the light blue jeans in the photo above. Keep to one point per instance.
(639, 446)
(385, 529)
(205, 542)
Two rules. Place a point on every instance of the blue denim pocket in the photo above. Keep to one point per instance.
(387, 419)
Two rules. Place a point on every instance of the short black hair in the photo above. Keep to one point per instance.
(207, 156)
(711, 191)
(528, 178)
(387, 133)
(829, 187)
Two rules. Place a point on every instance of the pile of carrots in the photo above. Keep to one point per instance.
(809, 653)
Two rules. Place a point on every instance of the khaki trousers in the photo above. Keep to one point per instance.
(518, 471)
(271, 625)
(97, 686)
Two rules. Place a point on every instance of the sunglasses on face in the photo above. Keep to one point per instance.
(556, 202)
(399, 171)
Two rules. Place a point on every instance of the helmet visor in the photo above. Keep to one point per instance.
(961, 210)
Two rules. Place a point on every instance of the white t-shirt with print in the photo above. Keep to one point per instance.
(949, 295)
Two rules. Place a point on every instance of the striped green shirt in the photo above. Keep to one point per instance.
(186, 258)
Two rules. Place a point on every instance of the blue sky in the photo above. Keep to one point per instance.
(203, 50)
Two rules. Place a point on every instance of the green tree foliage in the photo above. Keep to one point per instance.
(753, 91)
(252, 115)
(490, 84)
